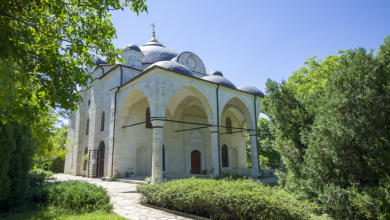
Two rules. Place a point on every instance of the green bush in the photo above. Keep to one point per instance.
(79, 197)
(16, 152)
(231, 176)
(227, 199)
(57, 166)
(39, 175)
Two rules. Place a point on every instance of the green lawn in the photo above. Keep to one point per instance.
(47, 213)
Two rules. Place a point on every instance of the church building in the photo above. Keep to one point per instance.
(159, 113)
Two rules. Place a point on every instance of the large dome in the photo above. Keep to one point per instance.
(251, 89)
(173, 66)
(154, 52)
(217, 77)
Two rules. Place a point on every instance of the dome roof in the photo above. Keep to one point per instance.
(173, 66)
(216, 73)
(132, 47)
(154, 52)
(220, 80)
(251, 89)
(99, 61)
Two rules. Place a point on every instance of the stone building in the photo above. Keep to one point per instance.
(160, 112)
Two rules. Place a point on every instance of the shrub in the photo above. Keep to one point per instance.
(231, 176)
(16, 152)
(57, 166)
(227, 199)
(39, 175)
(79, 197)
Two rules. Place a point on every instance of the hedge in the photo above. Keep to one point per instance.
(227, 199)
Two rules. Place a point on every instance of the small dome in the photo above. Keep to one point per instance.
(132, 47)
(216, 73)
(220, 80)
(251, 89)
(99, 61)
(154, 52)
(173, 66)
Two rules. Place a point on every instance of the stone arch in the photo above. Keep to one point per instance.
(199, 95)
(239, 105)
(134, 96)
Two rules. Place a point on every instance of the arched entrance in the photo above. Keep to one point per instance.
(102, 147)
(195, 162)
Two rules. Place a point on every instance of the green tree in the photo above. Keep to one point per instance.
(19, 140)
(265, 140)
(7, 147)
(45, 45)
(265, 143)
(332, 131)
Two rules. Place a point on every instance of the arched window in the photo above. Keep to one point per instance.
(102, 146)
(87, 129)
(148, 124)
(228, 126)
(89, 102)
(84, 161)
(225, 158)
(163, 158)
(102, 123)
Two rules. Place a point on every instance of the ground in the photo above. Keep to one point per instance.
(126, 200)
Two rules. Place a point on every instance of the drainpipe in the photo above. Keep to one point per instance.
(113, 139)
(258, 160)
(219, 152)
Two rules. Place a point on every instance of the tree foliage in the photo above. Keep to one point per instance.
(17, 143)
(265, 143)
(44, 46)
(332, 122)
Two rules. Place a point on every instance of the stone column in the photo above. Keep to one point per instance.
(110, 168)
(78, 140)
(214, 150)
(157, 168)
(254, 155)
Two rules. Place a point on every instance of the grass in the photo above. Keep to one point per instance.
(49, 213)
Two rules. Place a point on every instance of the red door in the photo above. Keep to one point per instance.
(195, 162)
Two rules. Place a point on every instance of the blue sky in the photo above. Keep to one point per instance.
(251, 41)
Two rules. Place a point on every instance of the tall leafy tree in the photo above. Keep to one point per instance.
(18, 144)
(332, 130)
(45, 45)
(7, 147)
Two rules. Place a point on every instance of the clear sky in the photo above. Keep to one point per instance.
(251, 41)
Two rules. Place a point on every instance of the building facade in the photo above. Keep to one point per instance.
(160, 112)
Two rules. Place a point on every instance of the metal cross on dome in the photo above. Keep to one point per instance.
(154, 34)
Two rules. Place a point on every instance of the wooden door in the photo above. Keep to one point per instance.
(195, 162)
(101, 162)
